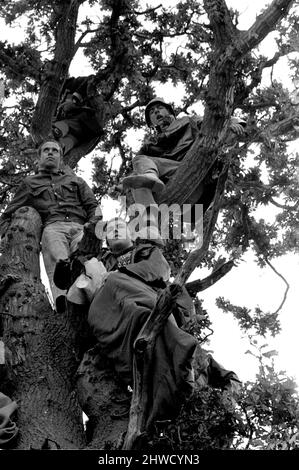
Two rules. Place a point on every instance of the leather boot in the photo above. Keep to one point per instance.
(148, 180)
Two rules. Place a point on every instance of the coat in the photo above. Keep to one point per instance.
(117, 314)
(59, 196)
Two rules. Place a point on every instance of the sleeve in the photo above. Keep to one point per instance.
(151, 270)
(20, 199)
(88, 199)
(184, 308)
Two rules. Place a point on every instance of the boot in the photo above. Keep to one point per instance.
(148, 180)
(61, 305)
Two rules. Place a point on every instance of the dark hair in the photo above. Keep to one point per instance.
(50, 139)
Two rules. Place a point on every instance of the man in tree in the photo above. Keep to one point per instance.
(65, 203)
(76, 121)
(121, 304)
(137, 270)
(161, 155)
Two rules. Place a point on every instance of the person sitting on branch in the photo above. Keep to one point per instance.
(65, 203)
(122, 289)
(161, 155)
(79, 117)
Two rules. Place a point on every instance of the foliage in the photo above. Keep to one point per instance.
(264, 415)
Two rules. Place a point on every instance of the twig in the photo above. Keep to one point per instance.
(284, 280)
(281, 206)
(150, 10)
(209, 222)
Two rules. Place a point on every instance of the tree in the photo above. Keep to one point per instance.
(125, 44)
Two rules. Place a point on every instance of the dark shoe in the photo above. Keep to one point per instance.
(61, 304)
(62, 274)
(144, 181)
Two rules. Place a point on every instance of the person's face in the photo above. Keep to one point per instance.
(160, 116)
(118, 236)
(50, 156)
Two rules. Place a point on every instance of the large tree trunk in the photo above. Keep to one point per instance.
(104, 399)
(41, 356)
(55, 72)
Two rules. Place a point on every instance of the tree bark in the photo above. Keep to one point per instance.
(142, 370)
(40, 358)
(65, 18)
(230, 47)
(104, 399)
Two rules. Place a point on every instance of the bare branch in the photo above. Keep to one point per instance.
(209, 222)
(79, 43)
(282, 206)
(56, 70)
(284, 280)
(150, 10)
(263, 25)
(134, 105)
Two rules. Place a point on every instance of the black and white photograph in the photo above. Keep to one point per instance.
(149, 224)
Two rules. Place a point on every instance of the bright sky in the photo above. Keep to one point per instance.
(246, 285)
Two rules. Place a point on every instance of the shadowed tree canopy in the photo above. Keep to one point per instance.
(131, 49)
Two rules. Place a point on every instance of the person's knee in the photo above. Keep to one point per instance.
(143, 163)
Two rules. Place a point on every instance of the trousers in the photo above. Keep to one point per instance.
(164, 168)
(59, 240)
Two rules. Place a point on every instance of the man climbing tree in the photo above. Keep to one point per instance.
(77, 122)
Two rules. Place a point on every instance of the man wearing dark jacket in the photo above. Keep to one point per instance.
(120, 306)
(79, 118)
(161, 155)
(64, 201)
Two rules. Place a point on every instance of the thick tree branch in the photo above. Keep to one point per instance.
(202, 284)
(283, 206)
(264, 24)
(80, 43)
(35, 341)
(209, 222)
(149, 10)
(221, 22)
(142, 370)
(56, 72)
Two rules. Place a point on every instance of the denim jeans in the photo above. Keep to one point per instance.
(59, 241)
